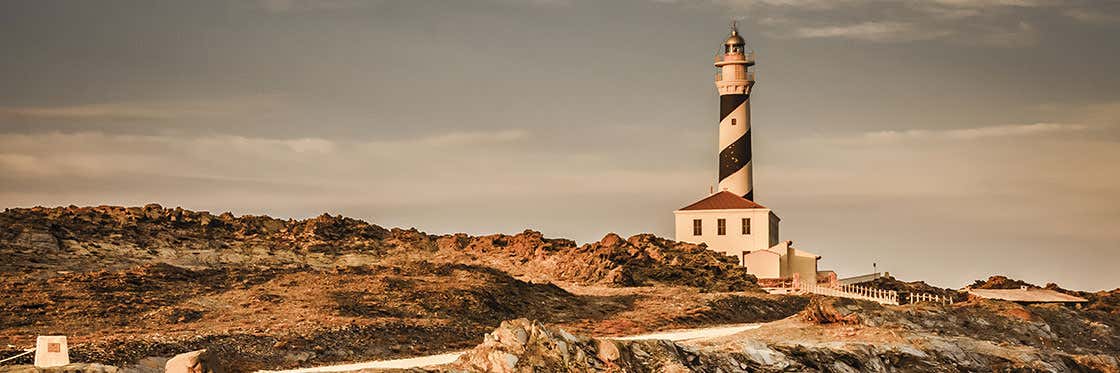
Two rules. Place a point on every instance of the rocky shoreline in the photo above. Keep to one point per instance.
(134, 286)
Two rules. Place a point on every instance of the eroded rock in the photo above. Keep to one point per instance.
(193, 362)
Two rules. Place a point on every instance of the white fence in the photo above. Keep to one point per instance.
(853, 292)
(880, 296)
(924, 297)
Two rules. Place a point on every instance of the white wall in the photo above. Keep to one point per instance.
(805, 266)
(763, 264)
(734, 243)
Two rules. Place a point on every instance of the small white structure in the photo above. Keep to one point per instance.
(51, 351)
(739, 227)
(782, 261)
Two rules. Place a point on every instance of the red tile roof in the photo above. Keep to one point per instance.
(723, 201)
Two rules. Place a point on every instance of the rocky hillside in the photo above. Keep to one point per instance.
(831, 335)
(129, 284)
(1101, 311)
(110, 237)
(280, 316)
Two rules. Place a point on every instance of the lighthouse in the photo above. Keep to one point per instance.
(734, 80)
(730, 221)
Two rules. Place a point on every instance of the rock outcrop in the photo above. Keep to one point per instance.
(193, 362)
(525, 346)
(640, 260)
(110, 237)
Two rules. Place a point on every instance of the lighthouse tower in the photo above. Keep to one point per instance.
(734, 82)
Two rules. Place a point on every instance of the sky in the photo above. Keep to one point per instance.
(942, 140)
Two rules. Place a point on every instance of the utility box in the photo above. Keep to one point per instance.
(51, 351)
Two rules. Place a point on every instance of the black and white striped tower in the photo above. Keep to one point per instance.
(734, 81)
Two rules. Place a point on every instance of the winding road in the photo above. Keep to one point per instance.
(424, 361)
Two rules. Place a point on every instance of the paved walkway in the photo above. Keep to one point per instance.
(691, 334)
(424, 361)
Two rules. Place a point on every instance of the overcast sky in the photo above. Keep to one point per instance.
(945, 140)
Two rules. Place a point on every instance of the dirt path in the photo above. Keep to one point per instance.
(424, 361)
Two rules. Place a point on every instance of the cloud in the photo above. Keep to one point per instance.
(551, 2)
(1021, 35)
(997, 3)
(961, 134)
(473, 138)
(1012, 130)
(102, 154)
(942, 13)
(251, 144)
(134, 111)
(822, 5)
(872, 31)
(227, 156)
(1091, 16)
(788, 4)
(82, 112)
(290, 6)
(1000, 23)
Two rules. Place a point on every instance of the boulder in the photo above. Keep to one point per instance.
(829, 310)
(193, 362)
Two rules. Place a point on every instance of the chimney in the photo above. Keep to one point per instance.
(790, 251)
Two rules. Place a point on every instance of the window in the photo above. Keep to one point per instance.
(746, 225)
(732, 121)
(697, 228)
(721, 226)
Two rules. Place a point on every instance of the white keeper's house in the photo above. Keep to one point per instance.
(739, 227)
(730, 221)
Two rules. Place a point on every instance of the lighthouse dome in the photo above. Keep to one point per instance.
(734, 39)
(734, 43)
